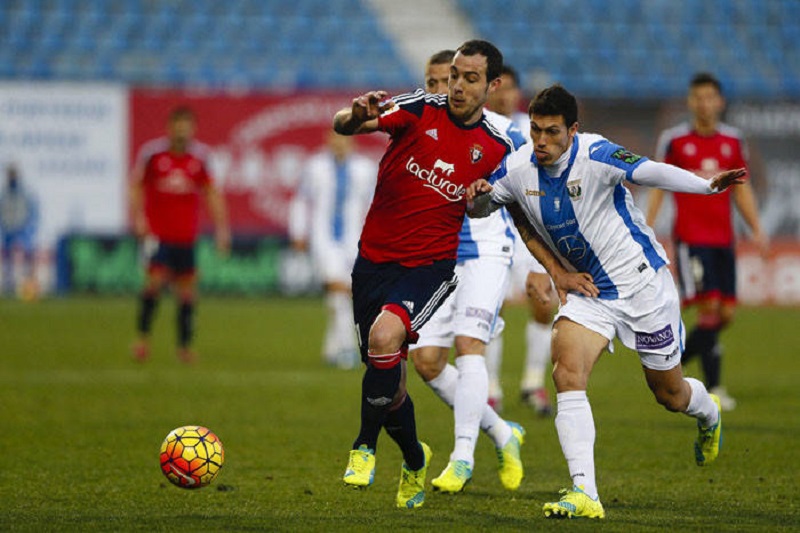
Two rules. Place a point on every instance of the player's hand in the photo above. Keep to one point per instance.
(579, 282)
(538, 286)
(477, 188)
(762, 241)
(368, 105)
(723, 180)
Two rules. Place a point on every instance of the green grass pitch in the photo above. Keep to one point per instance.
(81, 425)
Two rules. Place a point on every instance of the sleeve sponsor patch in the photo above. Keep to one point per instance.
(626, 156)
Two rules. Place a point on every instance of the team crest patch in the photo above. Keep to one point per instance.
(662, 338)
(574, 189)
(626, 156)
(476, 153)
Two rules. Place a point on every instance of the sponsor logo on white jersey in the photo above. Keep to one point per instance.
(433, 179)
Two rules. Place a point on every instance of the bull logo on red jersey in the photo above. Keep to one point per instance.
(452, 192)
(476, 153)
(446, 168)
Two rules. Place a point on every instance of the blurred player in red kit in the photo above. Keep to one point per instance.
(168, 179)
(703, 226)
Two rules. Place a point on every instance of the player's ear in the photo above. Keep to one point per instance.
(494, 84)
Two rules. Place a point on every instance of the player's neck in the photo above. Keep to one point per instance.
(178, 146)
(705, 127)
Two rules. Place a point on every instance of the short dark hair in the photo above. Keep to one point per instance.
(705, 78)
(553, 101)
(511, 72)
(181, 113)
(494, 58)
(442, 57)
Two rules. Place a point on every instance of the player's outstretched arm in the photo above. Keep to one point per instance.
(362, 116)
(675, 179)
(564, 280)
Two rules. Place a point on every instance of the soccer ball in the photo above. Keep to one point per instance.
(191, 457)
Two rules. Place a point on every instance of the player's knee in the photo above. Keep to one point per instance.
(469, 345)
(726, 315)
(567, 378)
(427, 363)
(386, 337)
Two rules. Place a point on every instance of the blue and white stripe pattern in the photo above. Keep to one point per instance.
(585, 213)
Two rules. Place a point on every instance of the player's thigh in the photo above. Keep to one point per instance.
(576, 349)
(481, 290)
(438, 332)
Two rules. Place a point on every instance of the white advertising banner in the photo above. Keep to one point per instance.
(69, 142)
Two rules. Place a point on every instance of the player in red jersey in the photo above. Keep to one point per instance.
(168, 179)
(439, 144)
(703, 226)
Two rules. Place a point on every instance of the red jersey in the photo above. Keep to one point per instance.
(172, 185)
(420, 195)
(703, 220)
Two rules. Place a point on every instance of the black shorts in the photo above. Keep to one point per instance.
(176, 259)
(413, 293)
(706, 272)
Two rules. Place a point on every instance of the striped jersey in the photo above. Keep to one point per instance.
(494, 235)
(584, 213)
(420, 195)
(703, 220)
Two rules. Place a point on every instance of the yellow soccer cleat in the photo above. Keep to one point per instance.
(360, 471)
(411, 492)
(510, 463)
(574, 504)
(453, 478)
(709, 440)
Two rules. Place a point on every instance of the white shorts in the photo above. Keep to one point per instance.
(334, 262)
(648, 322)
(472, 310)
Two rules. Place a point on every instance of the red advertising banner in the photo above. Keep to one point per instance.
(259, 143)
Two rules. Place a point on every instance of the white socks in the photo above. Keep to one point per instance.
(340, 337)
(538, 338)
(701, 406)
(494, 358)
(472, 394)
(576, 433)
(444, 385)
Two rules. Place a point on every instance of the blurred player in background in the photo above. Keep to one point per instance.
(168, 179)
(570, 186)
(19, 219)
(526, 274)
(703, 226)
(326, 218)
(468, 320)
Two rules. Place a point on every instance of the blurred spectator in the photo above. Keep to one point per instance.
(169, 177)
(326, 218)
(19, 219)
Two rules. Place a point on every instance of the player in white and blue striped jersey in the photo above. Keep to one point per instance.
(570, 187)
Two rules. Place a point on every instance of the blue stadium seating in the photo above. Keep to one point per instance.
(598, 48)
(648, 49)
